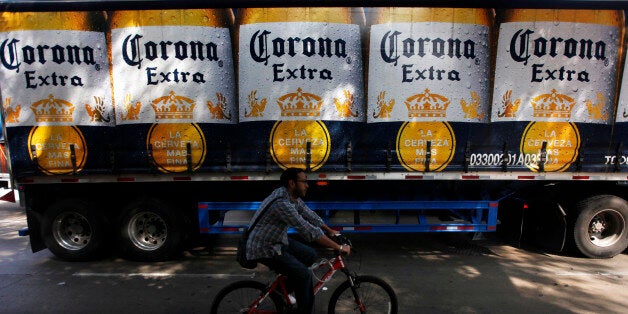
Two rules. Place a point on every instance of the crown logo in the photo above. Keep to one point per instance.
(11, 115)
(509, 109)
(552, 105)
(219, 110)
(173, 107)
(97, 113)
(345, 106)
(596, 112)
(385, 108)
(427, 105)
(257, 107)
(131, 112)
(53, 110)
(300, 104)
(471, 109)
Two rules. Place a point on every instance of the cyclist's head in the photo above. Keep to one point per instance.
(290, 174)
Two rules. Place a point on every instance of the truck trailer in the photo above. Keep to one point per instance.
(138, 126)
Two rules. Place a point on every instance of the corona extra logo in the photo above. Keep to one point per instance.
(596, 111)
(131, 112)
(219, 110)
(385, 107)
(53, 110)
(427, 105)
(257, 107)
(173, 107)
(552, 105)
(97, 112)
(12, 115)
(509, 108)
(300, 104)
(345, 105)
(471, 109)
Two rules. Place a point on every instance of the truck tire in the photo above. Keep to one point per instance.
(74, 231)
(600, 229)
(150, 231)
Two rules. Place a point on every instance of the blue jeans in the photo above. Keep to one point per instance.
(294, 262)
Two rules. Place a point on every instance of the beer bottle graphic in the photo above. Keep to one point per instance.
(56, 90)
(428, 82)
(174, 87)
(556, 85)
(300, 85)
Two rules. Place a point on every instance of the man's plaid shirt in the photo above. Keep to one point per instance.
(271, 232)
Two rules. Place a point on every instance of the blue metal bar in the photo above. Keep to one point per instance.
(479, 216)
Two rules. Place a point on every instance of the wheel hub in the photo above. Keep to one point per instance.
(147, 231)
(606, 228)
(72, 231)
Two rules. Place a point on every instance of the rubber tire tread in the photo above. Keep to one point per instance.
(585, 210)
(279, 305)
(365, 278)
(97, 221)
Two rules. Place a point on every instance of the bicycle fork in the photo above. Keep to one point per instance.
(354, 289)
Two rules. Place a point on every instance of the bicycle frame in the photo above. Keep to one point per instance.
(335, 264)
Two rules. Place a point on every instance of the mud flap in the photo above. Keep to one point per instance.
(548, 225)
(33, 220)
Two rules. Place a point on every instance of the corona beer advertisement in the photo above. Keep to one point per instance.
(302, 72)
(173, 69)
(53, 81)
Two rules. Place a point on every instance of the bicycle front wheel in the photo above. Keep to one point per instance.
(372, 294)
(239, 296)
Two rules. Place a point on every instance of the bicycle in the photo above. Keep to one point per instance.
(358, 294)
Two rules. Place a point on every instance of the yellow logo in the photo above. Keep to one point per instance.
(12, 115)
(173, 107)
(412, 142)
(471, 110)
(289, 141)
(53, 110)
(219, 110)
(385, 109)
(595, 111)
(562, 142)
(169, 144)
(53, 148)
(553, 105)
(345, 106)
(97, 113)
(427, 105)
(257, 108)
(300, 104)
(509, 109)
(131, 112)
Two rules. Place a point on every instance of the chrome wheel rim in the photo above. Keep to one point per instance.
(147, 231)
(72, 231)
(606, 228)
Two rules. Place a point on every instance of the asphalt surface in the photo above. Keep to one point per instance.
(430, 273)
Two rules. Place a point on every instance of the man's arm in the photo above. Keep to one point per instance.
(327, 242)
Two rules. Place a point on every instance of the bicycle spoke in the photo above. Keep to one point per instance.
(374, 295)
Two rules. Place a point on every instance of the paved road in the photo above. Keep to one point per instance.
(430, 273)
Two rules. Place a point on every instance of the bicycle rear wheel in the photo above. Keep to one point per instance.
(374, 293)
(238, 297)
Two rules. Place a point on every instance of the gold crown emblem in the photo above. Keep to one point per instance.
(173, 107)
(53, 110)
(552, 105)
(300, 104)
(427, 105)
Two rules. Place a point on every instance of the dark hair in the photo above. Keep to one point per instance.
(290, 174)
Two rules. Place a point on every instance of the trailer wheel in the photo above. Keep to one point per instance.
(600, 229)
(74, 231)
(150, 231)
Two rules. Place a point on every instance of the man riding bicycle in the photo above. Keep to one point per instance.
(269, 243)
